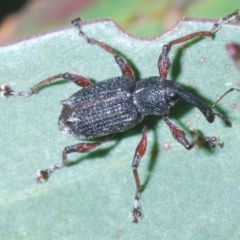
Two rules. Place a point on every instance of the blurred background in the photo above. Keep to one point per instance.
(146, 18)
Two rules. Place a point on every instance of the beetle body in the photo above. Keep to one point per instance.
(116, 104)
(111, 106)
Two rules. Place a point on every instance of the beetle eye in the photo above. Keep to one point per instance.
(173, 96)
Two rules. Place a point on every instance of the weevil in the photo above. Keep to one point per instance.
(117, 104)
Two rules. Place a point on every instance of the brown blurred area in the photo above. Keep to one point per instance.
(146, 18)
(19, 18)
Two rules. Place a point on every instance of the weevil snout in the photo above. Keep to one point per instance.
(175, 92)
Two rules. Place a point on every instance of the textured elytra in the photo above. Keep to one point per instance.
(100, 109)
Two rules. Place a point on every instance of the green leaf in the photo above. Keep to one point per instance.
(186, 194)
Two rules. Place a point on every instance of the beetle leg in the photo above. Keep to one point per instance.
(180, 136)
(164, 62)
(139, 152)
(79, 80)
(124, 67)
(80, 147)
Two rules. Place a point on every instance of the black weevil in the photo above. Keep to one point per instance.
(114, 105)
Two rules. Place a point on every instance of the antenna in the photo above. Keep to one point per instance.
(227, 122)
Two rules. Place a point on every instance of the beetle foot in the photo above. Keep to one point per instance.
(77, 23)
(6, 91)
(212, 142)
(136, 213)
(43, 175)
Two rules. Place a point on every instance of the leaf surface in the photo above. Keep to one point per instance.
(186, 194)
